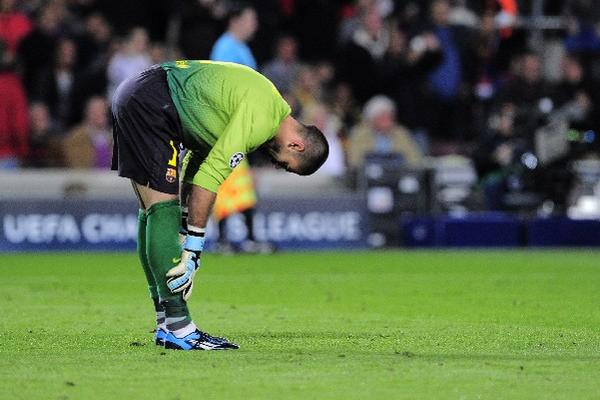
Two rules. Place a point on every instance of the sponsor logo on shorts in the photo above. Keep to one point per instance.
(171, 175)
(236, 159)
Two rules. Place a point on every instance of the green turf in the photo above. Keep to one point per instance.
(378, 325)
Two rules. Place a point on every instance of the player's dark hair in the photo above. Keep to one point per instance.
(316, 150)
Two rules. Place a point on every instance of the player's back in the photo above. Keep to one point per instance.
(208, 93)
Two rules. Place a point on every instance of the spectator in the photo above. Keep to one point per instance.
(94, 43)
(39, 46)
(200, 27)
(325, 72)
(237, 193)
(231, 46)
(404, 68)
(93, 51)
(351, 19)
(284, 68)
(55, 84)
(89, 144)
(497, 154)
(482, 71)
(307, 89)
(576, 100)
(409, 16)
(362, 56)
(527, 87)
(573, 94)
(131, 58)
(445, 80)
(380, 133)
(43, 138)
(461, 15)
(14, 26)
(416, 57)
(6, 59)
(158, 53)
(14, 126)
(582, 37)
(345, 108)
(527, 92)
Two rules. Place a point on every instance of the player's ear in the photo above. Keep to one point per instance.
(296, 145)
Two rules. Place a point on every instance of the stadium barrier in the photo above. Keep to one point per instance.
(498, 230)
(562, 231)
(85, 224)
(309, 223)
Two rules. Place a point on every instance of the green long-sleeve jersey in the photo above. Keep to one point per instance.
(227, 110)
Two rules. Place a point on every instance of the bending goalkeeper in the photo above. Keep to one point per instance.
(219, 112)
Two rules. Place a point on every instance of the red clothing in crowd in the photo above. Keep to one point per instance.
(14, 121)
(14, 26)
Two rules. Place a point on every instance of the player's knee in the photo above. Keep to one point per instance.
(150, 197)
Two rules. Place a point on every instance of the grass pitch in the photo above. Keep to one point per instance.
(357, 325)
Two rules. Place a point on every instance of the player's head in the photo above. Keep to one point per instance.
(298, 148)
(316, 150)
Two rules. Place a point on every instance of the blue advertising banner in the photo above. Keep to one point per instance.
(41, 225)
(290, 223)
(477, 230)
(561, 231)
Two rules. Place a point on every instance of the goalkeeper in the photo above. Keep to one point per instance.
(219, 112)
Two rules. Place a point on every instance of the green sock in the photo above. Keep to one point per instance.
(162, 249)
(141, 250)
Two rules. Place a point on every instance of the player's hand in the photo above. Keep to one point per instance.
(180, 279)
(181, 276)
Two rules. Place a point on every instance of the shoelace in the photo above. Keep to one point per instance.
(212, 339)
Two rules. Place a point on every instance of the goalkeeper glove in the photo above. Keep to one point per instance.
(180, 278)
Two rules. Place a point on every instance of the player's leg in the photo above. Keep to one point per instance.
(163, 252)
(161, 330)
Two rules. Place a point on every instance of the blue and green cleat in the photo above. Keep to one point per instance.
(159, 336)
(198, 340)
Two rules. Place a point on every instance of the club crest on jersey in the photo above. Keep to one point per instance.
(171, 175)
(236, 159)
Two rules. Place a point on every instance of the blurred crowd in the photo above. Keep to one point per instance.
(413, 78)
